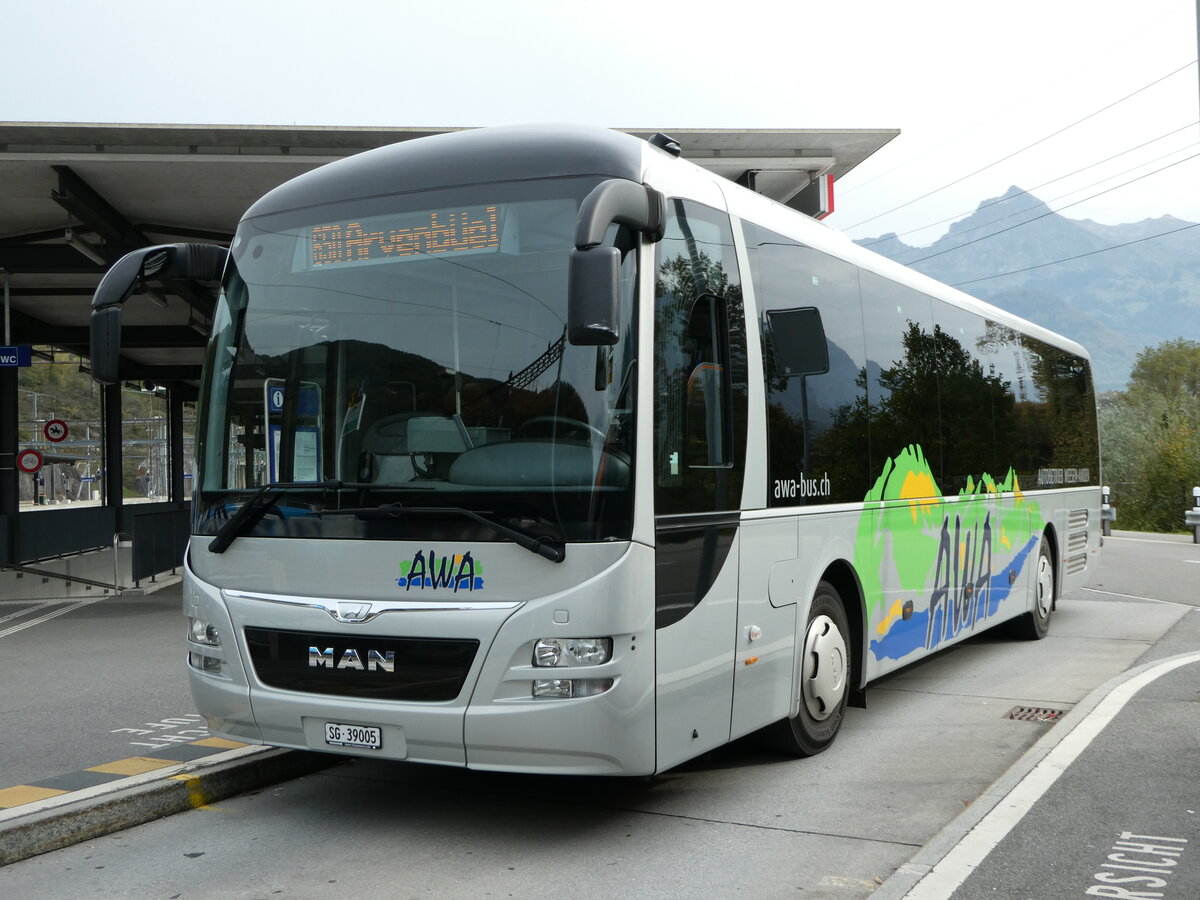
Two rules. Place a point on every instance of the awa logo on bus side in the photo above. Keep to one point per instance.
(932, 572)
(454, 573)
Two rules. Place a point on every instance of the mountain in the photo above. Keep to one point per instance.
(1114, 302)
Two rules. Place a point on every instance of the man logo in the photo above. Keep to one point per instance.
(384, 661)
(353, 613)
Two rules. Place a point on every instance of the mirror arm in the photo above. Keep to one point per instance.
(199, 262)
(620, 202)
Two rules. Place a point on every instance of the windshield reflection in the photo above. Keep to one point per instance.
(442, 373)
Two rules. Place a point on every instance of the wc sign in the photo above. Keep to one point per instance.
(16, 357)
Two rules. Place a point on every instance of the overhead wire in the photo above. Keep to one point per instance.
(1029, 146)
(1126, 36)
(1057, 262)
(988, 203)
(1051, 212)
(1047, 203)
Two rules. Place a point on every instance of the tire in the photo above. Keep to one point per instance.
(824, 681)
(1035, 623)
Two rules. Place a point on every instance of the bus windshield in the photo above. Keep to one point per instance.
(409, 352)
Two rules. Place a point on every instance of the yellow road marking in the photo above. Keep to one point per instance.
(25, 793)
(134, 765)
(218, 742)
(197, 797)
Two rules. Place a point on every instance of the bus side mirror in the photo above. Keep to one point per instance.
(594, 297)
(594, 280)
(199, 262)
(106, 344)
(798, 342)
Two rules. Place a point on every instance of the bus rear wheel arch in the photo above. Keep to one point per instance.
(824, 683)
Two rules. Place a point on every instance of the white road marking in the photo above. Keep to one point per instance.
(1130, 596)
(48, 616)
(948, 874)
(31, 608)
(1146, 540)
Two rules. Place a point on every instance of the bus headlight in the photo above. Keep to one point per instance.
(565, 688)
(207, 664)
(551, 652)
(574, 653)
(202, 632)
(205, 634)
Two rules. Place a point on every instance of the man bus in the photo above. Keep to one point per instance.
(545, 450)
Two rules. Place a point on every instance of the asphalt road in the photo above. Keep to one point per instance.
(98, 679)
(904, 784)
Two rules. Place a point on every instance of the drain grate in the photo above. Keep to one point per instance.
(1034, 714)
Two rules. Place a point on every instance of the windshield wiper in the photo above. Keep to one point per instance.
(553, 550)
(263, 500)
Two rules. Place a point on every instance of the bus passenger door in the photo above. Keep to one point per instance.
(765, 648)
(696, 598)
(699, 441)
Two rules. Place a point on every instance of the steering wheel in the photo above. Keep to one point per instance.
(580, 428)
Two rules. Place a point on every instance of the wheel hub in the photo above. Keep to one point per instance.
(824, 674)
(1045, 586)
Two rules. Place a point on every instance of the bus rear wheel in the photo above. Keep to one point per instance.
(1034, 624)
(824, 681)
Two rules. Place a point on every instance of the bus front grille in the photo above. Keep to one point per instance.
(369, 667)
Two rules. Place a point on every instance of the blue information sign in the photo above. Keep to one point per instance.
(20, 356)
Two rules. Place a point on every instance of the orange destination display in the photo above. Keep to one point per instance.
(467, 230)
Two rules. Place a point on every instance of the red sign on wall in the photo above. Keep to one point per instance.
(55, 430)
(29, 461)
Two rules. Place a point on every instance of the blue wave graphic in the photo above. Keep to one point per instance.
(905, 637)
(1000, 583)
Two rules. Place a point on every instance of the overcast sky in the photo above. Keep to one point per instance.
(968, 84)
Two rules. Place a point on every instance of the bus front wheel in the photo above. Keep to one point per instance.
(824, 679)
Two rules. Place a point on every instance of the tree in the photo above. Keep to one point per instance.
(1150, 436)
(1168, 368)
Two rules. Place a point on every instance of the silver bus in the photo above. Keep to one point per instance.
(542, 449)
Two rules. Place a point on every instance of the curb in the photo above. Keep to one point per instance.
(85, 815)
(906, 878)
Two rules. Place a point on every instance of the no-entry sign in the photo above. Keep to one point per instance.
(29, 461)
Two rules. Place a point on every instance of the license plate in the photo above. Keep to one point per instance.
(341, 735)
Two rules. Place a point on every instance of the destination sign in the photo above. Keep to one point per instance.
(474, 229)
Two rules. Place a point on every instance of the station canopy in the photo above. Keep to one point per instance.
(75, 197)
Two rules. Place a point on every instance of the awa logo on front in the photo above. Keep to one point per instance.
(454, 573)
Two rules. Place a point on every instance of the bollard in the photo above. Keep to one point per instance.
(1108, 515)
(1192, 516)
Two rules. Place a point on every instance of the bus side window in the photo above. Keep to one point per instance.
(815, 370)
(700, 366)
